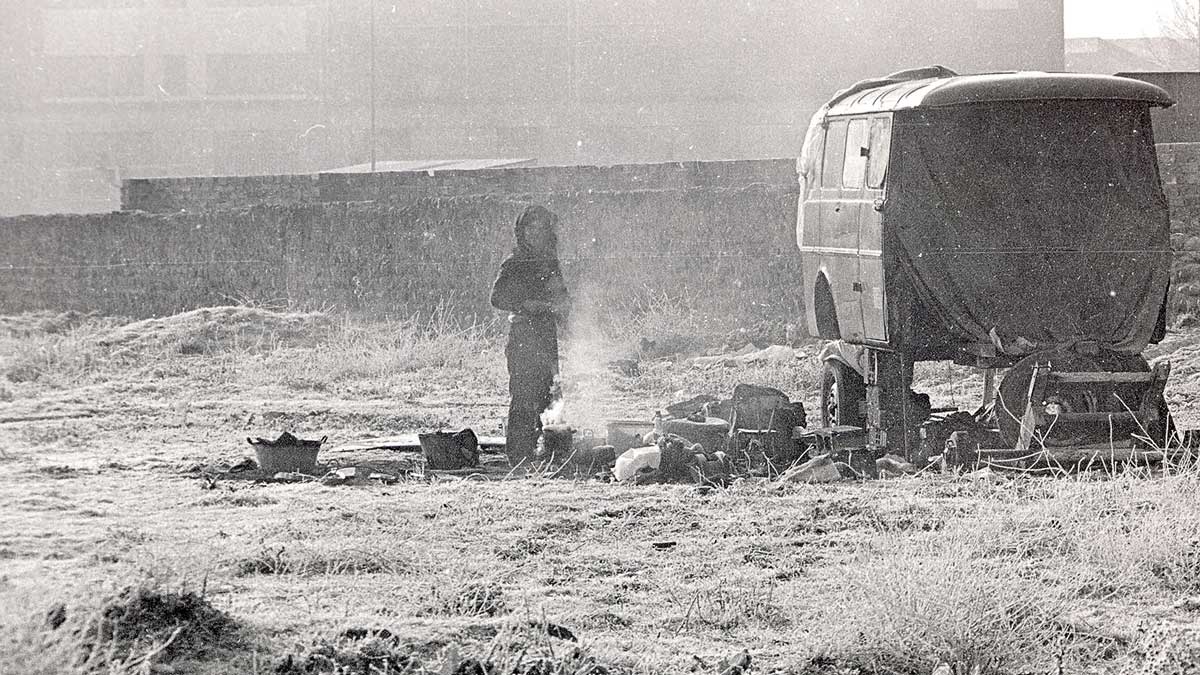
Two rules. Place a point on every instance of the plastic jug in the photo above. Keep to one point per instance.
(635, 459)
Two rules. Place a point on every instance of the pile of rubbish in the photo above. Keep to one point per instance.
(703, 440)
(757, 432)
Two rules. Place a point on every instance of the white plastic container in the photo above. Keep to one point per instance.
(635, 459)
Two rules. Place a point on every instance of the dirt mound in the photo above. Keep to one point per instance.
(141, 623)
(42, 323)
(215, 329)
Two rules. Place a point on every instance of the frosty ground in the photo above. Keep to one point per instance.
(114, 557)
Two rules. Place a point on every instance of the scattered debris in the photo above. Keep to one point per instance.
(361, 633)
(356, 475)
(737, 665)
(890, 466)
(776, 354)
(246, 464)
(710, 432)
(635, 460)
(591, 460)
(820, 469)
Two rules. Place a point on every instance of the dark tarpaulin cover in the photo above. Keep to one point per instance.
(1033, 225)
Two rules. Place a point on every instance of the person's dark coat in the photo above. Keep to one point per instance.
(530, 286)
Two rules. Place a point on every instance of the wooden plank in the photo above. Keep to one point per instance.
(1121, 416)
(406, 442)
(1101, 378)
(1031, 417)
(1079, 456)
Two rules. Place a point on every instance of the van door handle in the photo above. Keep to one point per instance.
(857, 286)
(878, 203)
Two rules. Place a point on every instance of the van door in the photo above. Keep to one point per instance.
(838, 244)
(873, 297)
(849, 212)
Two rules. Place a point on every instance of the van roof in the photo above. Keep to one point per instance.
(896, 92)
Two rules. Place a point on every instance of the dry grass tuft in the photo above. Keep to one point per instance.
(372, 656)
(725, 606)
(302, 560)
(464, 596)
(212, 330)
(374, 352)
(910, 605)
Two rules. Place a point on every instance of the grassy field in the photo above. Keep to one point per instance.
(115, 558)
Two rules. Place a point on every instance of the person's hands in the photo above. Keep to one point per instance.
(535, 307)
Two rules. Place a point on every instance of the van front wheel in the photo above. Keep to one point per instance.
(842, 395)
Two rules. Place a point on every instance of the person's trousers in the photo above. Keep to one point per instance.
(532, 356)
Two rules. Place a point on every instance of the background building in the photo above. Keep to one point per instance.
(102, 90)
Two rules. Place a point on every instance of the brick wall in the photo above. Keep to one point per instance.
(717, 235)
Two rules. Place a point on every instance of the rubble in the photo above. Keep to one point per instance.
(890, 466)
(749, 354)
(820, 469)
(355, 475)
(634, 460)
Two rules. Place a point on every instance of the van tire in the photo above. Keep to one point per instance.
(842, 395)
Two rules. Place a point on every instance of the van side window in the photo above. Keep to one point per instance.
(881, 145)
(835, 146)
(855, 166)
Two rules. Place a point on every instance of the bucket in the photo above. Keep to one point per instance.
(450, 450)
(557, 441)
(626, 434)
(288, 456)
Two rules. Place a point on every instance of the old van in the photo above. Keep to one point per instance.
(1006, 221)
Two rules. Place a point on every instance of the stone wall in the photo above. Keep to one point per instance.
(1179, 166)
(164, 195)
(717, 236)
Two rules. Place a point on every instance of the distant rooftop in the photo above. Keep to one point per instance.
(1101, 55)
(435, 165)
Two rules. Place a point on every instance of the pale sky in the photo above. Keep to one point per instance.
(1115, 18)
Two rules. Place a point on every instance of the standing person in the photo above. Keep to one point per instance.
(530, 286)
